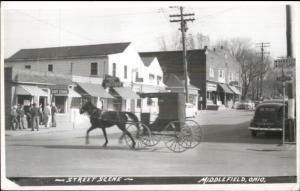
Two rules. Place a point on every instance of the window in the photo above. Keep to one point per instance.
(114, 70)
(221, 73)
(149, 101)
(138, 103)
(136, 75)
(151, 77)
(125, 72)
(158, 79)
(28, 67)
(94, 68)
(230, 76)
(50, 68)
(237, 77)
(211, 72)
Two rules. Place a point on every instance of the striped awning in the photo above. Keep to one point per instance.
(235, 90)
(95, 90)
(126, 93)
(30, 90)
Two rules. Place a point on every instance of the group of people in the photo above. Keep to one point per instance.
(34, 115)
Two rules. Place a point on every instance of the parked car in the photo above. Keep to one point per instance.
(268, 118)
(245, 105)
(190, 110)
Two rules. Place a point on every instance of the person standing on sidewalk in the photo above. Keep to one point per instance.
(47, 115)
(20, 116)
(27, 110)
(53, 114)
(35, 113)
(14, 121)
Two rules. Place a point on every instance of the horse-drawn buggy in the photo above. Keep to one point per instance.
(171, 127)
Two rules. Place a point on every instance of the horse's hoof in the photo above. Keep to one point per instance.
(105, 145)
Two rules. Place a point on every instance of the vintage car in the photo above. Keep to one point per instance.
(268, 118)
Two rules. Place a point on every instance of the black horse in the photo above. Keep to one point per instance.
(104, 119)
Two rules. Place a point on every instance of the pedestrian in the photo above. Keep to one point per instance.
(14, 121)
(35, 113)
(53, 114)
(27, 111)
(47, 115)
(42, 120)
(21, 117)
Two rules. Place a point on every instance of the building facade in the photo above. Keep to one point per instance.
(109, 75)
(214, 72)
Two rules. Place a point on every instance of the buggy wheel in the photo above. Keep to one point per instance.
(174, 139)
(193, 133)
(142, 137)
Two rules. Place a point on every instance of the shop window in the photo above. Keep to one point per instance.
(151, 77)
(149, 101)
(50, 67)
(211, 72)
(125, 72)
(158, 80)
(28, 67)
(114, 70)
(76, 102)
(94, 68)
(138, 103)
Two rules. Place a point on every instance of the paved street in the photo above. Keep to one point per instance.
(227, 149)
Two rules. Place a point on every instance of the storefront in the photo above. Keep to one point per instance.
(237, 94)
(29, 94)
(226, 95)
(123, 96)
(211, 93)
(94, 93)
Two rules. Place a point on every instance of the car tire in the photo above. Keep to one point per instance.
(253, 133)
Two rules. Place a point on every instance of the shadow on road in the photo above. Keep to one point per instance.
(237, 133)
(96, 147)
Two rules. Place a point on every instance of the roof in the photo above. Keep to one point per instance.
(147, 60)
(171, 61)
(23, 77)
(126, 93)
(68, 52)
(177, 81)
(277, 105)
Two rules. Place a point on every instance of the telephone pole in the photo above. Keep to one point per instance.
(183, 20)
(262, 47)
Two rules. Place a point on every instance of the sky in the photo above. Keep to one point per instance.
(143, 24)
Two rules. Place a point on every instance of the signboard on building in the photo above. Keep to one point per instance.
(211, 87)
(59, 91)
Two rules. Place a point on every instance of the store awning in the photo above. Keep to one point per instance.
(126, 93)
(225, 88)
(30, 90)
(235, 90)
(73, 93)
(95, 90)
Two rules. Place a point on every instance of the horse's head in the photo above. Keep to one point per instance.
(87, 107)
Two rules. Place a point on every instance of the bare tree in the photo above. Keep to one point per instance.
(241, 49)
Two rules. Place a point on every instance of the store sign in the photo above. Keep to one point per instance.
(59, 91)
(211, 87)
(110, 81)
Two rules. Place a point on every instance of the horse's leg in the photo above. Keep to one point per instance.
(105, 136)
(87, 134)
(123, 128)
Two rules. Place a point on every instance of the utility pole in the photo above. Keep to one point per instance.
(262, 45)
(290, 85)
(183, 20)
